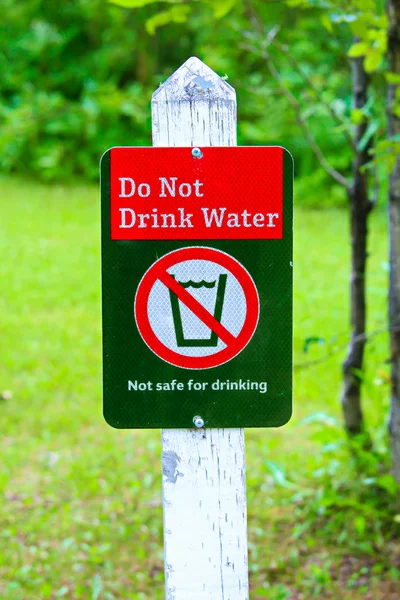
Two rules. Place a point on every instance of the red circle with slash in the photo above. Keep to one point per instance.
(158, 272)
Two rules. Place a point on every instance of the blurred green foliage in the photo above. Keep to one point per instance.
(77, 78)
(73, 83)
(80, 502)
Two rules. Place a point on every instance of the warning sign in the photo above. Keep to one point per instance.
(196, 307)
(171, 198)
(197, 286)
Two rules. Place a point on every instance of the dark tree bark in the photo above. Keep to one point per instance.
(394, 234)
(360, 207)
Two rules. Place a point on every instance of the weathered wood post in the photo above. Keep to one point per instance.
(204, 484)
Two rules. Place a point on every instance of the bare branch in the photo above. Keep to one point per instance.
(263, 47)
(363, 337)
(316, 91)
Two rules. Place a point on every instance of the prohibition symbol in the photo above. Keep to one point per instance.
(196, 307)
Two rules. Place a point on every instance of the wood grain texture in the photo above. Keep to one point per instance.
(204, 477)
(194, 107)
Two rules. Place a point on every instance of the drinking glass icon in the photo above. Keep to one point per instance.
(212, 341)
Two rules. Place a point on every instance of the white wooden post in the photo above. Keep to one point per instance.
(204, 483)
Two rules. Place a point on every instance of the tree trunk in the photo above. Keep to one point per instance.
(394, 233)
(359, 209)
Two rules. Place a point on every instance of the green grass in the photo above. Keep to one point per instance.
(80, 503)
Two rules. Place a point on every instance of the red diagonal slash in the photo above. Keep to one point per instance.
(196, 308)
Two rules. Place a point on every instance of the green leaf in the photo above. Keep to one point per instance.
(373, 60)
(359, 28)
(327, 23)
(176, 14)
(382, 146)
(278, 474)
(359, 524)
(97, 587)
(358, 49)
(393, 78)
(222, 7)
(312, 340)
(388, 483)
(369, 132)
(357, 116)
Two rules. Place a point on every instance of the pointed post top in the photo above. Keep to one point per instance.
(194, 107)
(194, 81)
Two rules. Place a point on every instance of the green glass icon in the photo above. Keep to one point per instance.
(212, 341)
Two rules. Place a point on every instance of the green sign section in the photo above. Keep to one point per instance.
(197, 326)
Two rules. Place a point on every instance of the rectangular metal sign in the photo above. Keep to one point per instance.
(197, 250)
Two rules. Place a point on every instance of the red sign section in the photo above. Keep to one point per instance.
(169, 194)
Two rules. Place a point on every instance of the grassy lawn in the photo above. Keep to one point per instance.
(80, 503)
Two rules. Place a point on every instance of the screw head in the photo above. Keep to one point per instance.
(197, 153)
(198, 421)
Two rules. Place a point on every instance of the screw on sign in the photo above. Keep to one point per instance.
(193, 329)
